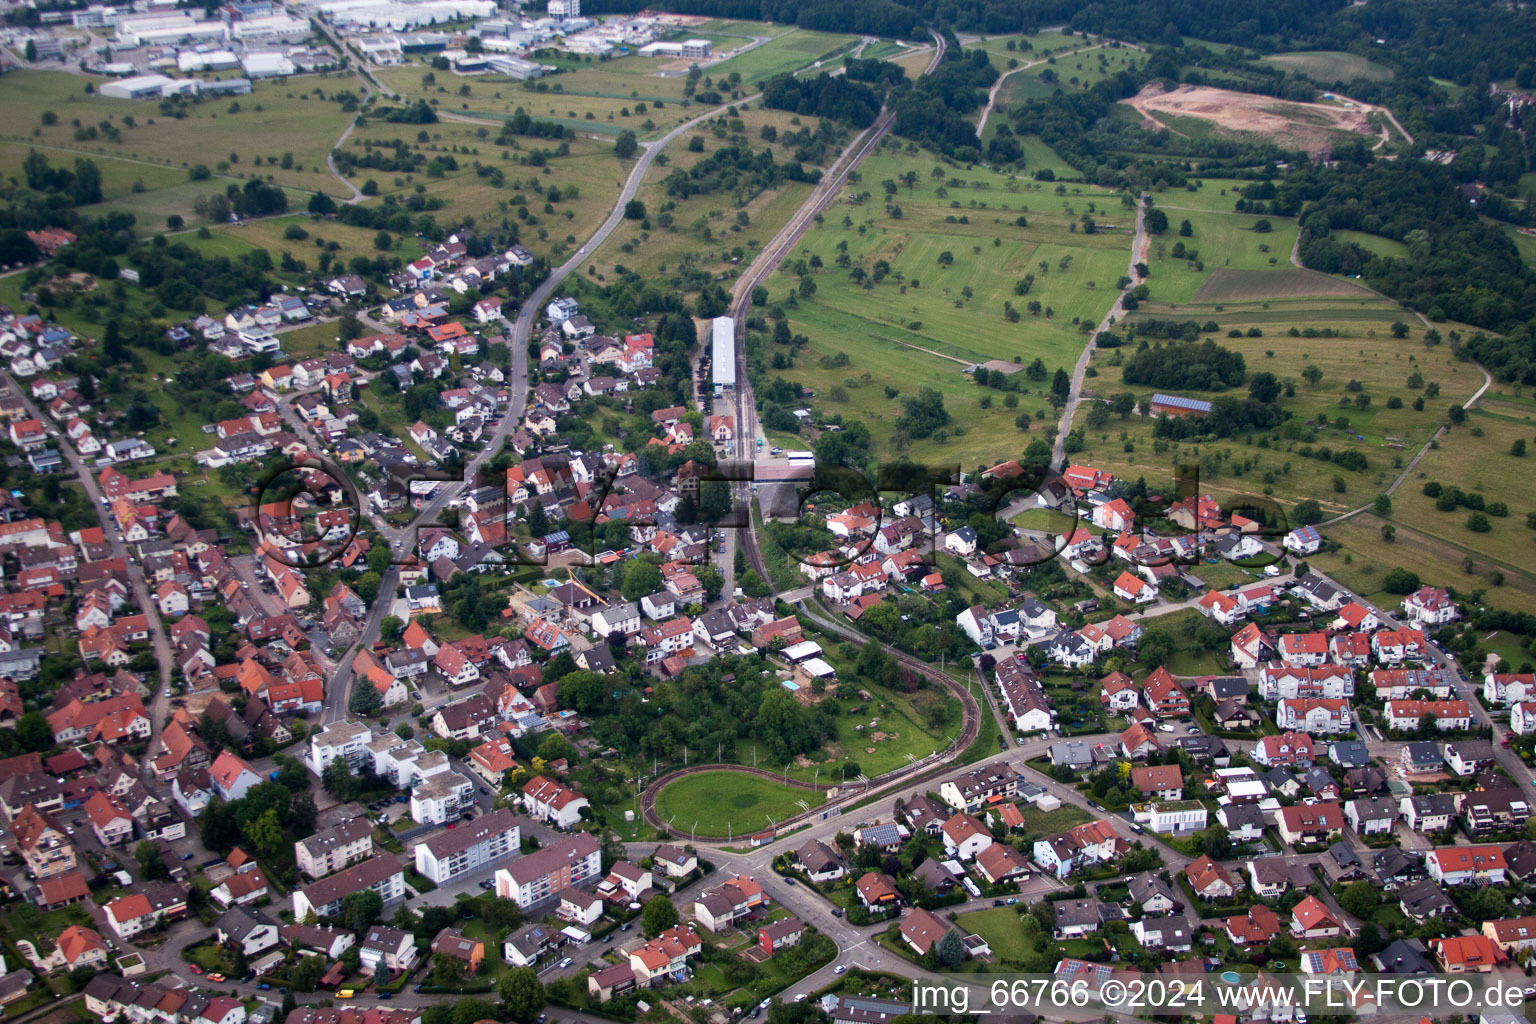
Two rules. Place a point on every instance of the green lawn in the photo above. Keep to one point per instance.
(728, 803)
(1038, 824)
(1002, 928)
(788, 52)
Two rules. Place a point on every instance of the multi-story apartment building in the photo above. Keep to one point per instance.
(470, 847)
(545, 872)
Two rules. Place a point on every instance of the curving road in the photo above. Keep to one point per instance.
(519, 332)
(159, 708)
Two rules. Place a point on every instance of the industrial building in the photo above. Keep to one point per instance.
(565, 8)
(166, 29)
(691, 49)
(722, 356)
(148, 87)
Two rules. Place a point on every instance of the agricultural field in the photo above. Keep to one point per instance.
(948, 268)
(1363, 358)
(588, 178)
(1326, 67)
(605, 99)
(1477, 457)
(705, 229)
(281, 132)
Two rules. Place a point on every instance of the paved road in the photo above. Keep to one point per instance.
(159, 706)
(519, 333)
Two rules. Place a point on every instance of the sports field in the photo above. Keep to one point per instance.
(729, 803)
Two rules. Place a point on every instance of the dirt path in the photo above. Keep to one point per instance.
(1138, 255)
(986, 112)
(1437, 435)
(941, 355)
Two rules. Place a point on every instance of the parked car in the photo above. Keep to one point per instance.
(194, 969)
(264, 986)
(840, 969)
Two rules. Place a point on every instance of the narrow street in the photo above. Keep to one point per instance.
(159, 707)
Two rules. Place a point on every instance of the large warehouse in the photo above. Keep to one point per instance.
(722, 357)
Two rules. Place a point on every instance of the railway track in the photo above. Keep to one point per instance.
(746, 416)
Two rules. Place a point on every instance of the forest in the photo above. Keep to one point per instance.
(840, 99)
(1460, 265)
(735, 169)
(870, 17)
(1206, 366)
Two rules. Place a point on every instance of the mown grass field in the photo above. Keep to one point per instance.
(790, 51)
(590, 168)
(1067, 70)
(748, 29)
(1374, 243)
(1365, 558)
(1525, 243)
(1483, 464)
(1041, 44)
(236, 239)
(921, 325)
(1326, 67)
(721, 803)
(1222, 241)
(277, 118)
(603, 99)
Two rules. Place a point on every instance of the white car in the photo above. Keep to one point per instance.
(840, 969)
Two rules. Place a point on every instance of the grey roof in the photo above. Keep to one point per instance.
(1229, 686)
(1180, 402)
(1405, 956)
(239, 921)
(1146, 885)
(1349, 753)
(1394, 863)
(1077, 913)
(1424, 899)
